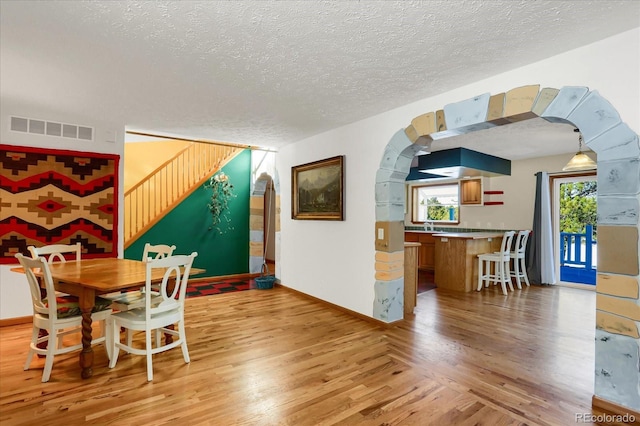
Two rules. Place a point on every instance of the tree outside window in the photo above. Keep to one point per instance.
(578, 207)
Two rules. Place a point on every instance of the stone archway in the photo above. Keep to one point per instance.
(618, 287)
(257, 225)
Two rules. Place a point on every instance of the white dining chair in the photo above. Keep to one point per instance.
(134, 299)
(156, 316)
(157, 251)
(56, 252)
(518, 256)
(58, 316)
(500, 263)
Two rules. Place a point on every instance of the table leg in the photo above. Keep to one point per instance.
(86, 356)
(87, 302)
(168, 338)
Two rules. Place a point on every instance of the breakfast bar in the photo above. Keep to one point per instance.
(456, 262)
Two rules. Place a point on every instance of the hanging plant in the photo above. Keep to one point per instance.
(221, 192)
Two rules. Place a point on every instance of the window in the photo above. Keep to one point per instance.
(436, 203)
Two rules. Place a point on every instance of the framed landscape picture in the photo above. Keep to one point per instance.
(317, 190)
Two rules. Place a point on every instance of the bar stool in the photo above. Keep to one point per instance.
(518, 255)
(500, 261)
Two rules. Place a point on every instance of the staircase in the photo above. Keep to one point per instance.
(149, 200)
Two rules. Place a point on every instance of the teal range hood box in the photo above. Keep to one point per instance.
(414, 174)
(458, 163)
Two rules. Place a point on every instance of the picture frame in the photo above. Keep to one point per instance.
(317, 190)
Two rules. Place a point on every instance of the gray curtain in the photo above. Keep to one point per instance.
(540, 261)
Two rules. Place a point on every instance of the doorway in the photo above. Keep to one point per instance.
(270, 225)
(575, 228)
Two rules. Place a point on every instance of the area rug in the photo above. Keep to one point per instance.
(219, 287)
(57, 197)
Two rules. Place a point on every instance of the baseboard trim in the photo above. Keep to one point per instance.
(29, 319)
(16, 321)
(223, 278)
(615, 409)
(341, 308)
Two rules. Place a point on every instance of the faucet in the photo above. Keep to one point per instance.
(428, 225)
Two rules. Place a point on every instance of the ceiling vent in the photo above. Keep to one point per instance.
(51, 128)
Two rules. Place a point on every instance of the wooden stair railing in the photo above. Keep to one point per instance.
(149, 200)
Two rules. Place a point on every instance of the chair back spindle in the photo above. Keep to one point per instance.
(157, 251)
(55, 252)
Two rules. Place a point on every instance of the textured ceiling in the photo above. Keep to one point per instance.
(269, 73)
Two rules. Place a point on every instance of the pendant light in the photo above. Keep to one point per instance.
(580, 161)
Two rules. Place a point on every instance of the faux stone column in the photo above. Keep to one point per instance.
(617, 345)
(389, 231)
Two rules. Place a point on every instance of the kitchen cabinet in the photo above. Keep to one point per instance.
(471, 192)
(426, 251)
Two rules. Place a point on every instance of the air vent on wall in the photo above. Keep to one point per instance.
(50, 128)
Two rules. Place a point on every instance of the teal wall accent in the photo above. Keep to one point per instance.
(187, 226)
(458, 157)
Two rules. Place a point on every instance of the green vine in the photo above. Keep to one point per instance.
(221, 193)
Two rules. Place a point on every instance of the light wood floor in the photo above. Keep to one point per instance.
(273, 357)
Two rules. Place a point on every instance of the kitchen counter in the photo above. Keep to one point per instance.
(469, 235)
(409, 244)
(421, 231)
(456, 258)
(410, 276)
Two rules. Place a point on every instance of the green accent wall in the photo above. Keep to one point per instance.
(187, 226)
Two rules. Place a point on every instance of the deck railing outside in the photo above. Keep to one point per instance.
(576, 256)
(571, 246)
(147, 201)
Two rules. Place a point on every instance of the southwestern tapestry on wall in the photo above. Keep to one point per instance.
(57, 197)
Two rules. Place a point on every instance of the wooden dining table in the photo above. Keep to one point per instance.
(88, 278)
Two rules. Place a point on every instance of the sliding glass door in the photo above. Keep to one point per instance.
(575, 228)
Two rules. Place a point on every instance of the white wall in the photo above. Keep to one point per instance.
(334, 261)
(15, 300)
(519, 195)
